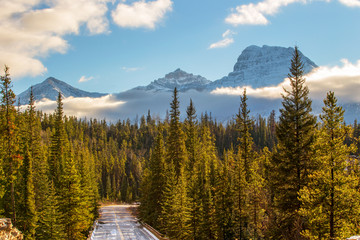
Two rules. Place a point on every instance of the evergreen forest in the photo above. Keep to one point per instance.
(292, 175)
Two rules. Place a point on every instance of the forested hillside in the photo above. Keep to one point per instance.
(292, 176)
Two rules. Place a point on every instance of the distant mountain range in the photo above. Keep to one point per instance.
(255, 67)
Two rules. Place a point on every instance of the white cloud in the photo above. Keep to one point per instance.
(30, 29)
(350, 3)
(255, 14)
(130, 69)
(82, 107)
(141, 13)
(226, 41)
(343, 80)
(85, 79)
(222, 43)
(228, 33)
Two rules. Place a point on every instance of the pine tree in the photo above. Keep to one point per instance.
(28, 215)
(192, 140)
(175, 210)
(330, 202)
(272, 140)
(244, 124)
(32, 179)
(240, 198)
(244, 162)
(156, 182)
(176, 153)
(224, 197)
(293, 163)
(58, 144)
(71, 204)
(257, 197)
(88, 186)
(11, 160)
(49, 224)
(206, 174)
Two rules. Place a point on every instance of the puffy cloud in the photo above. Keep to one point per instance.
(85, 79)
(255, 14)
(30, 29)
(226, 41)
(343, 80)
(350, 3)
(141, 13)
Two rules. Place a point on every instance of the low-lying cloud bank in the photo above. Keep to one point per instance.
(82, 107)
(343, 80)
(222, 103)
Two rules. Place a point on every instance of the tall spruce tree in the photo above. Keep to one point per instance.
(192, 140)
(206, 171)
(244, 161)
(71, 203)
(30, 188)
(244, 125)
(175, 214)
(28, 215)
(49, 224)
(224, 197)
(330, 202)
(293, 163)
(157, 180)
(176, 153)
(58, 145)
(175, 205)
(240, 199)
(11, 159)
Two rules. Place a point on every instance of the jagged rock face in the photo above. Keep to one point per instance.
(180, 79)
(50, 89)
(7, 231)
(261, 67)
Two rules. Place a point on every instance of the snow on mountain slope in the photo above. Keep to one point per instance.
(50, 89)
(261, 67)
(180, 79)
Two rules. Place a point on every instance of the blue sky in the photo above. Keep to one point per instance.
(113, 46)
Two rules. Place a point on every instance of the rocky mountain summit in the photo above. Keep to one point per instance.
(180, 79)
(50, 89)
(261, 67)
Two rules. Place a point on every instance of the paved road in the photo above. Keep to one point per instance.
(117, 222)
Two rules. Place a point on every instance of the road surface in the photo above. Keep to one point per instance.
(117, 222)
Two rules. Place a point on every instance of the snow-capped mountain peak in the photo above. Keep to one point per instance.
(180, 79)
(50, 89)
(261, 67)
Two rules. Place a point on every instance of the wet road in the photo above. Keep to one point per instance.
(117, 222)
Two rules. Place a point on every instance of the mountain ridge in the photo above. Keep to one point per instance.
(50, 89)
(180, 79)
